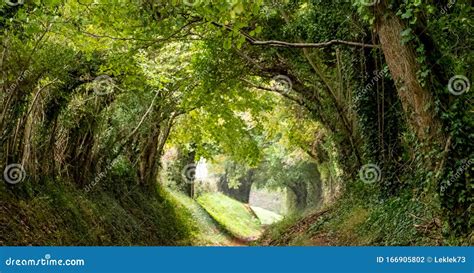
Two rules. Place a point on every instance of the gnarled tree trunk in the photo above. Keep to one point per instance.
(417, 101)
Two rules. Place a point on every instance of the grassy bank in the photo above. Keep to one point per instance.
(60, 214)
(206, 231)
(232, 215)
(404, 220)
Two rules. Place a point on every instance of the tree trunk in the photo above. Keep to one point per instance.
(242, 193)
(191, 161)
(148, 158)
(417, 101)
(299, 188)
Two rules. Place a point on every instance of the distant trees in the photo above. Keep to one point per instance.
(239, 189)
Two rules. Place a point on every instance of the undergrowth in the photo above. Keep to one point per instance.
(57, 213)
(360, 218)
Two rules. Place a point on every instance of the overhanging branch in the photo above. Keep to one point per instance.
(276, 43)
(309, 45)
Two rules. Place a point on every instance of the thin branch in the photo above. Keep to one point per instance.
(37, 95)
(276, 43)
(264, 88)
(143, 117)
(97, 36)
(309, 45)
(249, 59)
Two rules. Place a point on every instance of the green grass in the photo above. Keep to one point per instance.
(278, 229)
(397, 221)
(266, 217)
(206, 230)
(59, 214)
(389, 222)
(231, 215)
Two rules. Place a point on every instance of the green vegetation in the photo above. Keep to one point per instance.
(352, 221)
(362, 110)
(64, 215)
(232, 215)
(206, 231)
(266, 217)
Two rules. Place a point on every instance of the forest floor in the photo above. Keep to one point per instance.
(212, 219)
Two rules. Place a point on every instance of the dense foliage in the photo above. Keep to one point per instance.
(308, 96)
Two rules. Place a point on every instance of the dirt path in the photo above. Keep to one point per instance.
(237, 242)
